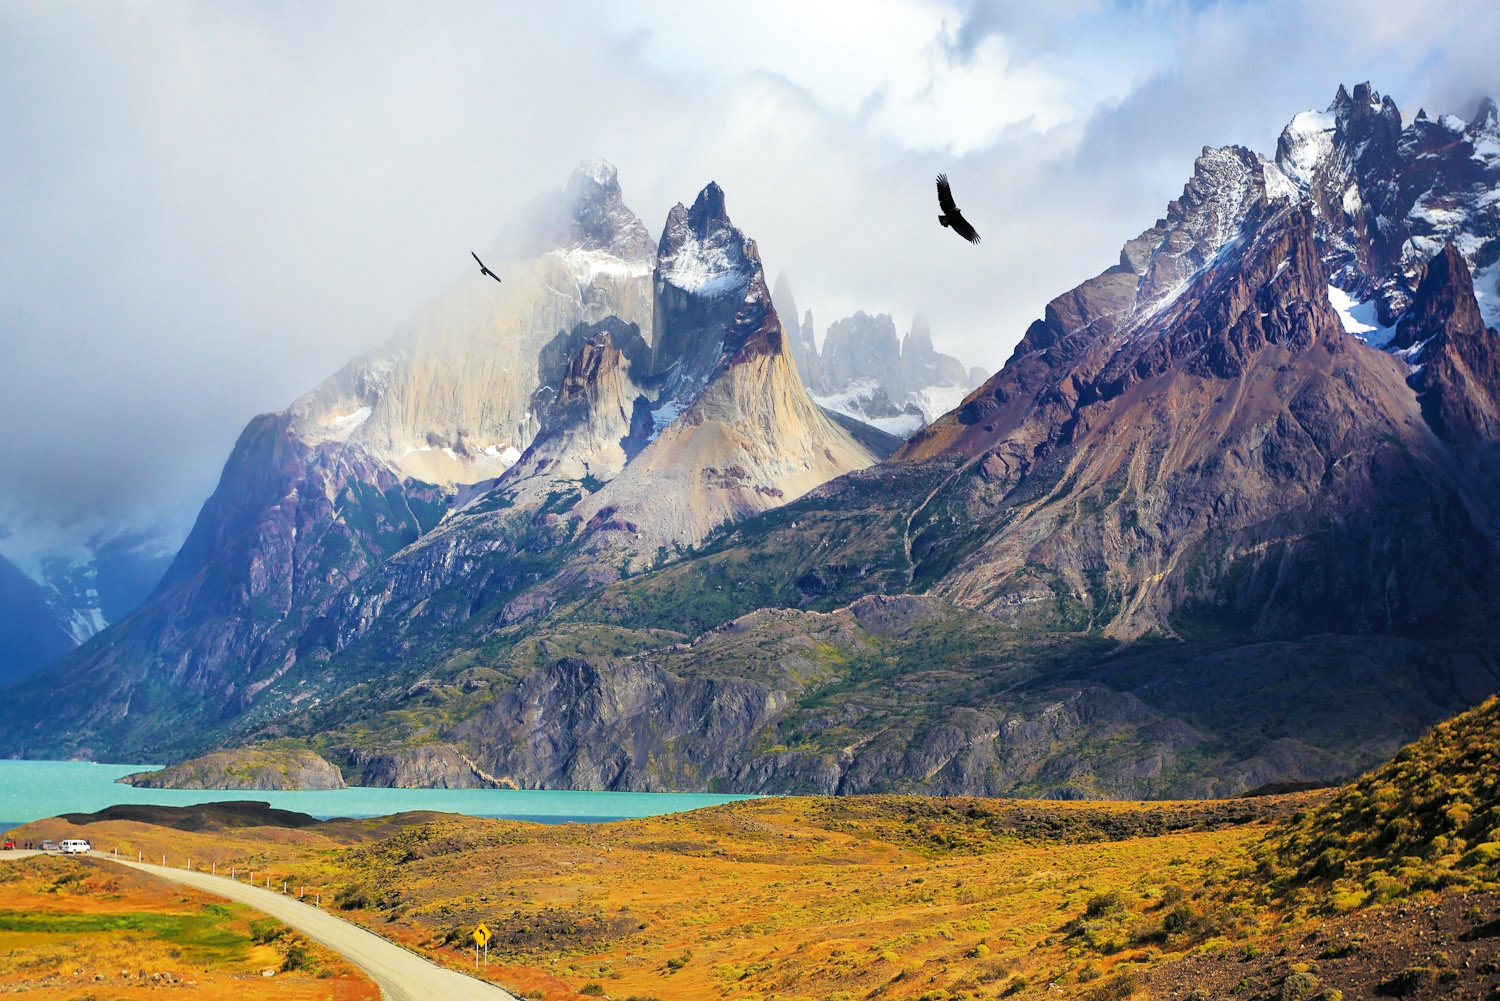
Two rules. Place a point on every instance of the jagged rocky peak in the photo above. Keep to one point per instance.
(895, 385)
(1227, 185)
(1444, 302)
(862, 345)
(1455, 359)
(598, 218)
(734, 431)
(1387, 199)
(701, 251)
(800, 336)
(707, 273)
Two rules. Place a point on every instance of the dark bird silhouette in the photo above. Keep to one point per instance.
(484, 270)
(951, 216)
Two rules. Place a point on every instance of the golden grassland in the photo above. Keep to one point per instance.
(892, 897)
(81, 929)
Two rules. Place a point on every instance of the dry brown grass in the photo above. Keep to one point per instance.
(888, 897)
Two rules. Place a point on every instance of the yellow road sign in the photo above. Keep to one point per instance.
(481, 935)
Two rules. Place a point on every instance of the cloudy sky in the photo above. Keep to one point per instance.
(207, 208)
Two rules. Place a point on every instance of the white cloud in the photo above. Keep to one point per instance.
(893, 65)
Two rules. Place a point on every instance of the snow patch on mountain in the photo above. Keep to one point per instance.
(1279, 187)
(664, 415)
(705, 268)
(588, 265)
(1487, 291)
(935, 401)
(508, 455)
(1359, 318)
(347, 422)
(1308, 141)
(855, 400)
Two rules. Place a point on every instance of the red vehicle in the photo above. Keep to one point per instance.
(10, 844)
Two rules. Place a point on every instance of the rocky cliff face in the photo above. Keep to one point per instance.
(801, 334)
(1455, 360)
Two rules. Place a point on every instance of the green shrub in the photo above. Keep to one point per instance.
(1298, 986)
(1104, 903)
(266, 930)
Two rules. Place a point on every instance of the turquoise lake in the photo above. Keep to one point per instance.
(30, 790)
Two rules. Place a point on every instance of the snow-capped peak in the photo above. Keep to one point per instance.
(601, 172)
(701, 252)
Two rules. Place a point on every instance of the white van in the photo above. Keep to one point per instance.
(74, 847)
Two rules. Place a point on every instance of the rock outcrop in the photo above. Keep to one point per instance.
(1455, 358)
(250, 767)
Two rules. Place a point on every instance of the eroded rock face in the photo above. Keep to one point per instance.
(735, 431)
(428, 766)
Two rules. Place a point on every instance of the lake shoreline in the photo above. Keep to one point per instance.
(32, 790)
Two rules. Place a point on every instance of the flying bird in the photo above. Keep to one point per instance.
(951, 216)
(484, 270)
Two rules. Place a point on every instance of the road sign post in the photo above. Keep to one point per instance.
(482, 940)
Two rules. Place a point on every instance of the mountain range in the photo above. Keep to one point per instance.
(864, 372)
(1229, 515)
(55, 598)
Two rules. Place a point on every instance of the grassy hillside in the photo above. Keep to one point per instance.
(1428, 820)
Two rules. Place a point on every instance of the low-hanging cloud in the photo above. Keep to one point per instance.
(206, 209)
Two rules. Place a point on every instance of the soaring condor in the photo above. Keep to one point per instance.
(951, 216)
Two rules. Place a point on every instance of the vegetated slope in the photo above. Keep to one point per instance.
(253, 766)
(906, 896)
(1430, 819)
